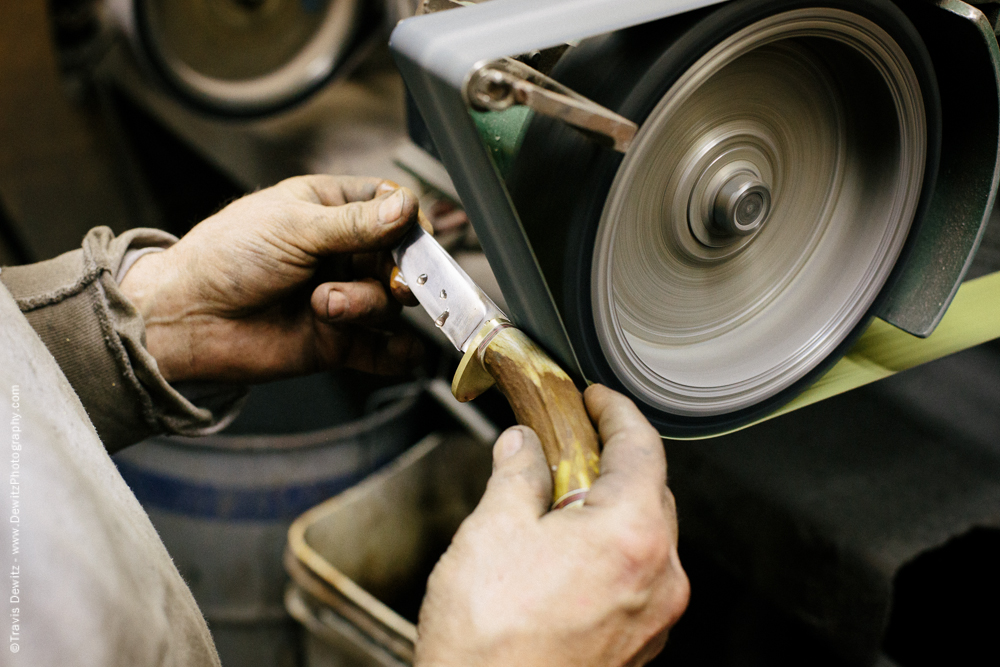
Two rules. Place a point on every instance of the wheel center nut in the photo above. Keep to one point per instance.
(749, 208)
(741, 206)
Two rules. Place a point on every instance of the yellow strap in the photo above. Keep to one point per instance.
(882, 350)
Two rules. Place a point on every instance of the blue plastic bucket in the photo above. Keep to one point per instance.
(222, 505)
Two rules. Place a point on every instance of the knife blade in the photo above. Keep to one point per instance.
(457, 305)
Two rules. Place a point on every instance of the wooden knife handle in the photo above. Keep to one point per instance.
(545, 398)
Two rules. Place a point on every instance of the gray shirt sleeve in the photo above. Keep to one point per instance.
(98, 338)
(95, 585)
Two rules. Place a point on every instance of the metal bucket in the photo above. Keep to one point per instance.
(223, 504)
(359, 562)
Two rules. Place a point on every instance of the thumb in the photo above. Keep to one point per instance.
(521, 482)
(359, 226)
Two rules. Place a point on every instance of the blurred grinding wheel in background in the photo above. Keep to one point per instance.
(247, 56)
(784, 154)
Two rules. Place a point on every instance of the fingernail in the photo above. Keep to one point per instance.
(509, 444)
(390, 209)
(384, 187)
(396, 279)
(336, 304)
(425, 222)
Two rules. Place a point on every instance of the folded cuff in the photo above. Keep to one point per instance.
(98, 338)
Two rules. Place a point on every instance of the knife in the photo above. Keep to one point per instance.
(496, 352)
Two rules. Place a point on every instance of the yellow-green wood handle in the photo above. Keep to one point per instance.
(545, 398)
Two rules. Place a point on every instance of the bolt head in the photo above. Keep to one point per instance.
(741, 206)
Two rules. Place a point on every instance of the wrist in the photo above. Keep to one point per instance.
(150, 285)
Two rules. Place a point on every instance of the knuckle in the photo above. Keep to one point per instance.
(643, 547)
(511, 476)
(640, 430)
(669, 502)
(676, 600)
(300, 187)
(650, 577)
(293, 182)
(356, 222)
(671, 599)
(483, 527)
(519, 481)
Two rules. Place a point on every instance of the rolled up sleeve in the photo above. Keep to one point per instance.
(98, 338)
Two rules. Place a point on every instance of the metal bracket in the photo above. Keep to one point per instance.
(506, 82)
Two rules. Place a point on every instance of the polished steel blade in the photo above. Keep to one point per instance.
(455, 303)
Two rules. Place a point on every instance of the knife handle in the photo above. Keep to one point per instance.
(544, 397)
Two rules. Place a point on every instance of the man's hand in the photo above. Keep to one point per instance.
(595, 585)
(289, 280)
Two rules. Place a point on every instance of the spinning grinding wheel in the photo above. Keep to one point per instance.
(246, 56)
(784, 152)
(711, 201)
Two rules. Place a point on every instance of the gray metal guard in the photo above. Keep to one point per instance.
(437, 53)
(966, 58)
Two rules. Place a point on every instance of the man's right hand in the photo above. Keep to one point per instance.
(595, 585)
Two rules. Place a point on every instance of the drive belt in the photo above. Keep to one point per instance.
(883, 350)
